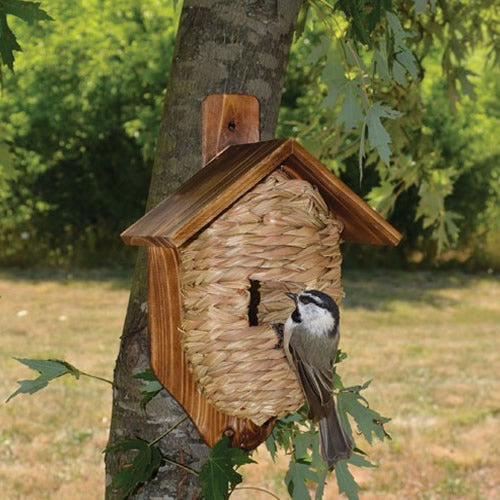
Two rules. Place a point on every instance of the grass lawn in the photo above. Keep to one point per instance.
(429, 340)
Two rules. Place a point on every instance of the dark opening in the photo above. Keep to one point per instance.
(253, 306)
(231, 125)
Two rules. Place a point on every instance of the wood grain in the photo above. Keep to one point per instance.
(234, 172)
(169, 363)
(228, 119)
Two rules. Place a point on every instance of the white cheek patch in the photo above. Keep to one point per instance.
(317, 320)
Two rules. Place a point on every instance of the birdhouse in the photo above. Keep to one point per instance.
(260, 219)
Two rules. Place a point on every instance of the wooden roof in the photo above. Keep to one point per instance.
(234, 172)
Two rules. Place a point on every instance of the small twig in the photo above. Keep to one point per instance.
(182, 466)
(257, 489)
(361, 72)
(168, 431)
(97, 378)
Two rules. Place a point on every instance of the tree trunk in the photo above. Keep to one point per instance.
(222, 46)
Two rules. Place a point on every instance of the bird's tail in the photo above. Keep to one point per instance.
(335, 443)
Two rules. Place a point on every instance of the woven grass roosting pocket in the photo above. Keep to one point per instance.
(278, 237)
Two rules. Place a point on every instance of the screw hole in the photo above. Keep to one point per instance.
(231, 126)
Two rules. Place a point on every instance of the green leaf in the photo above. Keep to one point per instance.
(151, 386)
(360, 461)
(27, 11)
(377, 135)
(369, 421)
(334, 77)
(337, 382)
(341, 355)
(431, 203)
(407, 59)
(378, 8)
(302, 442)
(271, 446)
(382, 198)
(346, 481)
(8, 42)
(299, 472)
(319, 51)
(404, 60)
(420, 6)
(399, 33)
(350, 114)
(217, 473)
(382, 65)
(360, 25)
(321, 485)
(144, 465)
(466, 85)
(447, 231)
(49, 369)
(399, 74)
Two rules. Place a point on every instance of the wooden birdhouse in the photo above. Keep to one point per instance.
(260, 219)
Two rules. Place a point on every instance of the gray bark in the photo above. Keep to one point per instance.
(222, 46)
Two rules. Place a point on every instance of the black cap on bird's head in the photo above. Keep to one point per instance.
(320, 299)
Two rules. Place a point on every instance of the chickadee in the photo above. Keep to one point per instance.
(310, 338)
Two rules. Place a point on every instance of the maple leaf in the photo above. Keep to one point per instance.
(218, 472)
(299, 472)
(143, 466)
(369, 421)
(27, 11)
(49, 369)
(377, 135)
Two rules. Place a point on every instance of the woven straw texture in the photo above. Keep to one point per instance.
(282, 235)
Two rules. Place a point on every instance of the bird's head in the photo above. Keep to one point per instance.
(316, 311)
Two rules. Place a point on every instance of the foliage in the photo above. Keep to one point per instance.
(27, 11)
(412, 58)
(218, 476)
(298, 436)
(144, 465)
(49, 369)
(80, 119)
(387, 85)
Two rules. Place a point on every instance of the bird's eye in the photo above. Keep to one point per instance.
(305, 300)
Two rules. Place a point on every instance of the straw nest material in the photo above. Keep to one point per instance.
(281, 235)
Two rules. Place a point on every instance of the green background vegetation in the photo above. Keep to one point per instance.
(80, 117)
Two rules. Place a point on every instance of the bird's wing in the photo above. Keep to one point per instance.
(316, 383)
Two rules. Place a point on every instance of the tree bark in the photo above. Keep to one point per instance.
(222, 46)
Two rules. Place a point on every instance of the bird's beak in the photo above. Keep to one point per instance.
(293, 296)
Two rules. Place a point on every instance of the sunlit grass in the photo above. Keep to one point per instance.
(51, 443)
(430, 341)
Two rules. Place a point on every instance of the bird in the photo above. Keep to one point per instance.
(310, 338)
